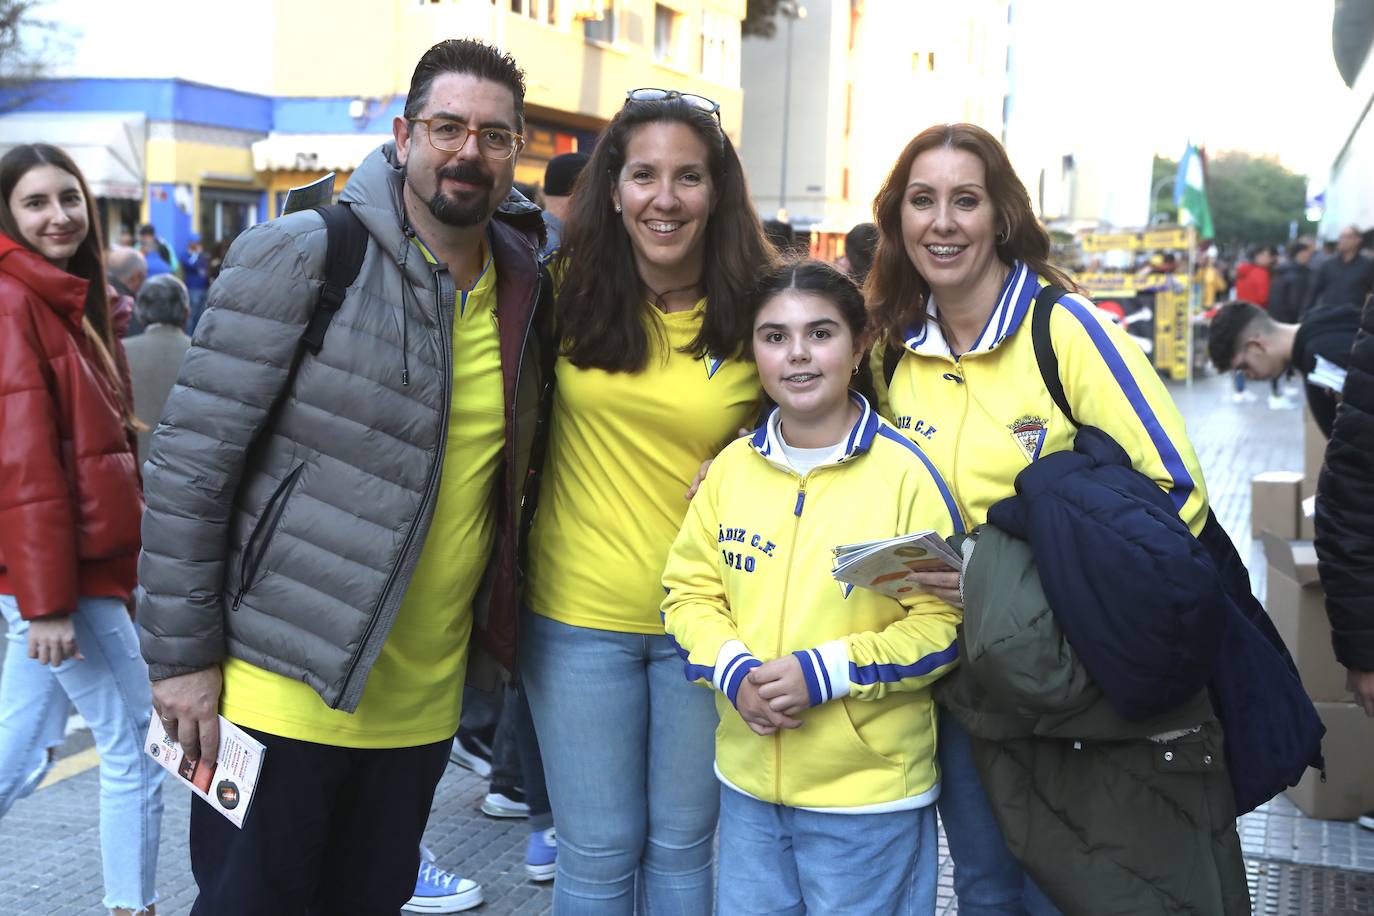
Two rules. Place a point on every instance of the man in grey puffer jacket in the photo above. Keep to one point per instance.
(315, 541)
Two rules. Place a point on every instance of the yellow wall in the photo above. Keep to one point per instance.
(562, 70)
(181, 162)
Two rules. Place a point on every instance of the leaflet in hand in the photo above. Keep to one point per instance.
(884, 565)
(228, 784)
(1326, 374)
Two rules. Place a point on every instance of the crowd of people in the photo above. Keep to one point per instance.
(566, 456)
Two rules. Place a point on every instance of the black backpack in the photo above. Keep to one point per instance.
(343, 259)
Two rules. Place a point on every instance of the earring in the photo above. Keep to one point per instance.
(856, 370)
(1002, 237)
(617, 208)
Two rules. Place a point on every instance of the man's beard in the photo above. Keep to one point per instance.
(466, 212)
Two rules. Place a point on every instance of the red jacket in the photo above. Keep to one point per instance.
(70, 500)
(1252, 284)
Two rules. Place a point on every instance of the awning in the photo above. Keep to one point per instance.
(314, 152)
(108, 147)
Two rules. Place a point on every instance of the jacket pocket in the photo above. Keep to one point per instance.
(256, 547)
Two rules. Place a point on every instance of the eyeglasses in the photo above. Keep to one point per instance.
(450, 136)
(699, 102)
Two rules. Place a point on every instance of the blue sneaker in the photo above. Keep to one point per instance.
(438, 891)
(541, 855)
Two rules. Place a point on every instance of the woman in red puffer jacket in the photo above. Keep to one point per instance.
(70, 502)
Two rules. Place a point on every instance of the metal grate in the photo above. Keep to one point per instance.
(1287, 889)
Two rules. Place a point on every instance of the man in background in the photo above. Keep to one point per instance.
(559, 177)
(155, 355)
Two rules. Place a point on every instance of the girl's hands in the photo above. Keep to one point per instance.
(782, 684)
(52, 640)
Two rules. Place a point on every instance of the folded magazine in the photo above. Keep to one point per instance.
(228, 784)
(883, 566)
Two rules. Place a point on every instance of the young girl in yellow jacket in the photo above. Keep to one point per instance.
(826, 745)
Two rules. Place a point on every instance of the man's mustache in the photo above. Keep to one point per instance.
(468, 174)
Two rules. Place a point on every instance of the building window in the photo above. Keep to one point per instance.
(604, 28)
(538, 10)
(923, 62)
(720, 39)
(668, 35)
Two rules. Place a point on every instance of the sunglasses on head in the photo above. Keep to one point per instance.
(699, 102)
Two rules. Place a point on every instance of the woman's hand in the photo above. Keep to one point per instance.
(706, 466)
(943, 583)
(52, 640)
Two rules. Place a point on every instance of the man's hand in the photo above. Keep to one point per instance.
(782, 684)
(52, 640)
(1361, 683)
(943, 584)
(188, 706)
(754, 710)
(706, 466)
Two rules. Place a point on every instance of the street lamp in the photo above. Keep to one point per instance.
(1154, 196)
(791, 11)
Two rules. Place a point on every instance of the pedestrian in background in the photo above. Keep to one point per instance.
(659, 252)
(961, 257)
(196, 265)
(155, 355)
(560, 175)
(1344, 278)
(70, 504)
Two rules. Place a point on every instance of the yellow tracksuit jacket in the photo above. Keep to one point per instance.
(982, 418)
(748, 579)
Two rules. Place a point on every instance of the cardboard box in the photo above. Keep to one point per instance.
(1297, 605)
(1348, 747)
(1274, 498)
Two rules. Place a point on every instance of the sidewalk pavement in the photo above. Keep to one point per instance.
(1295, 865)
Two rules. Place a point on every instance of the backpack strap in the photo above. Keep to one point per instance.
(1045, 356)
(343, 259)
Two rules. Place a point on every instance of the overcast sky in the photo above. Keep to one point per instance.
(1255, 75)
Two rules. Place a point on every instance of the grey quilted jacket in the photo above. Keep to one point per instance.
(289, 541)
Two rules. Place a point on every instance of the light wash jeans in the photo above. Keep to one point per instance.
(987, 878)
(781, 861)
(109, 687)
(628, 746)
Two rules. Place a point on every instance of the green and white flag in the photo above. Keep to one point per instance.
(1190, 193)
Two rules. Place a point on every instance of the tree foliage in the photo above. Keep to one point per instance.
(28, 46)
(1254, 199)
(760, 18)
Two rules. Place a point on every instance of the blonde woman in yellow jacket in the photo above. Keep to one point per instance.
(826, 744)
(960, 259)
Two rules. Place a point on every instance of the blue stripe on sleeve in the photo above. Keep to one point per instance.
(825, 675)
(808, 667)
(890, 674)
(1168, 453)
(732, 684)
(890, 433)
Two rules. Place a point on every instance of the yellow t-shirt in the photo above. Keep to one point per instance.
(623, 448)
(414, 691)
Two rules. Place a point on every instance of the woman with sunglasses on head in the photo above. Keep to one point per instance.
(659, 252)
(70, 506)
(960, 260)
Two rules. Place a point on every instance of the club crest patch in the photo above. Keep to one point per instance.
(713, 364)
(1029, 432)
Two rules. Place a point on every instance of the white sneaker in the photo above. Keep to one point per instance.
(470, 754)
(1242, 397)
(505, 803)
(1281, 402)
(1366, 821)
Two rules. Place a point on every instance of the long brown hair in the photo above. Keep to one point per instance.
(601, 300)
(88, 262)
(895, 290)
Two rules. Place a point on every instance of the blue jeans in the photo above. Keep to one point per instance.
(987, 878)
(628, 746)
(110, 689)
(782, 861)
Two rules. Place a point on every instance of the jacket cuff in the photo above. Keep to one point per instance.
(826, 670)
(1354, 649)
(158, 672)
(732, 664)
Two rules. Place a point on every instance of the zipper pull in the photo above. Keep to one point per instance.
(801, 498)
(238, 599)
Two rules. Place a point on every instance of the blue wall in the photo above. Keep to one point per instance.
(160, 99)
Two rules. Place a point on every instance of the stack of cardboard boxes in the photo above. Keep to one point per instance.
(1280, 515)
